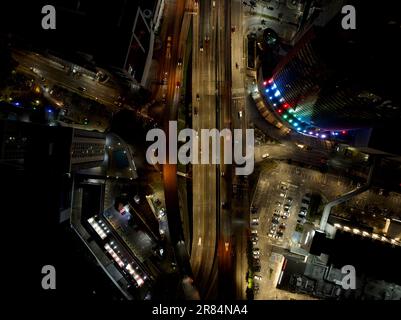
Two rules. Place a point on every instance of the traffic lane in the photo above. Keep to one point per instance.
(208, 121)
(282, 152)
(204, 117)
(50, 72)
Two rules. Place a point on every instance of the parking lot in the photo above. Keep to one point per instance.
(280, 202)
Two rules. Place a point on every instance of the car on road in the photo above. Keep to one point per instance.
(179, 63)
(301, 215)
(280, 234)
(289, 200)
(282, 226)
(254, 231)
(197, 97)
(275, 221)
(256, 220)
(282, 195)
(254, 209)
(82, 89)
(278, 204)
(284, 216)
(201, 48)
(256, 277)
(256, 268)
(264, 156)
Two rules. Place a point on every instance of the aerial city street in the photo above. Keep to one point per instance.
(286, 111)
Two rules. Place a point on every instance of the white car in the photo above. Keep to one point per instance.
(266, 155)
(256, 277)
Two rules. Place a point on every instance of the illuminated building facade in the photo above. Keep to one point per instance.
(335, 82)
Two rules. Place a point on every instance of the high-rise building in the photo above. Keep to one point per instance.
(116, 34)
(68, 149)
(334, 80)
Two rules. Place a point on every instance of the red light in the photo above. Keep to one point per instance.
(280, 111)
(344, 132)
(286, 105)
(271, 81)
(265, 83)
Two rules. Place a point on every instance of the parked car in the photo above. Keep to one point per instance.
(305, 201)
